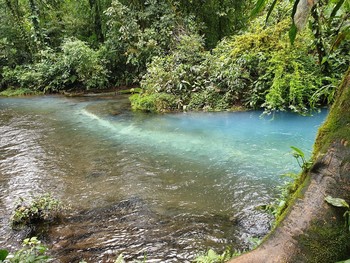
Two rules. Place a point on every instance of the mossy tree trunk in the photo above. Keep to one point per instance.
(312, 230)
(337, 125)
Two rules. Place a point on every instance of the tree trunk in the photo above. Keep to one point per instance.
(312, 230)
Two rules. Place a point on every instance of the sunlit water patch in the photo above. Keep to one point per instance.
(165, 186)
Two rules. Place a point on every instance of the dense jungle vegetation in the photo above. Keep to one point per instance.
(185, 55)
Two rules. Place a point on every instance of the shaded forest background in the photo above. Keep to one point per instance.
(185, 55)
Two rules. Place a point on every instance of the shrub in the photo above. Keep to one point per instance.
(210, 99)
(260, 68)
(83, 64)
(157, 102)
(77, 66)
(17, 92)
(23, 76)
(181, 73)
(40, 209)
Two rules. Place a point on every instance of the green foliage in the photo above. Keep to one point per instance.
(180, 74)
(118, 39)
(259, 68)
(3, 254)
(11, 92)
(130, 91)
(120, 259)
(336, 126)
(344, 261)
(135, 36)
(41, 208)
(210, 99)
(287, 190)
(76, 65)
(23, 77)
(157, 102)
(256, 69)
(290, 187)
(339, 202)
(259, 6)
(82, 64)
(32, 252)
(212, 257)
(255, 241)
(218, 18)
(299, 155)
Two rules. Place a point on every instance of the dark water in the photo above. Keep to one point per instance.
(160, 186)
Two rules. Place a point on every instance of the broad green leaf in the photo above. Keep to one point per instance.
(324, 60)
(292, 33)
(212, 254)
(3, 254)
(338, 202)
(41, 258)
(335, 9)
(344, 261)
(260, 4)
(270, 10)
(120, 259)
(345, 32)
(73, 78)
(298, 151)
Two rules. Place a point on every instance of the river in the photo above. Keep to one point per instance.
(165, 187)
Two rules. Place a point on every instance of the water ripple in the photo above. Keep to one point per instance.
(158, 186)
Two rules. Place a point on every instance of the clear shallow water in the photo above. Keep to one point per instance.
(165, 186)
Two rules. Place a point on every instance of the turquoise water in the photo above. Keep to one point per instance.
(190, 180)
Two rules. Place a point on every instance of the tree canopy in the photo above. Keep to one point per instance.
(197, 55)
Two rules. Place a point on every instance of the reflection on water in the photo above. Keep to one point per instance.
(164, 186)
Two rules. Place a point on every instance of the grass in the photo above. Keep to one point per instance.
(11, 92)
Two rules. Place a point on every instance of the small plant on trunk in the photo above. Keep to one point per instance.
(339, 202)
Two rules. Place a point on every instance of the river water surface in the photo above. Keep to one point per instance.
(164, 187)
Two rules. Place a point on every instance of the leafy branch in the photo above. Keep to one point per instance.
(300, 157)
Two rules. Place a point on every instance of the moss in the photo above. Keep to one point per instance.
(324, 244)
(337, 125)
